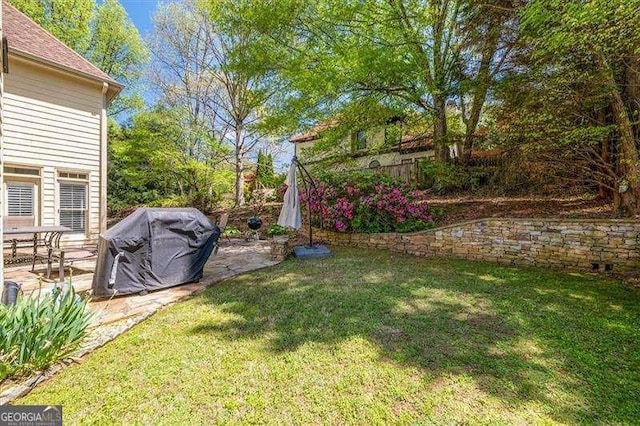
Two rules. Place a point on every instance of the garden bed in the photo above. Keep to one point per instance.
(462, 209)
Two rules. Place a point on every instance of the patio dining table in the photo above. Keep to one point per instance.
(31, 235)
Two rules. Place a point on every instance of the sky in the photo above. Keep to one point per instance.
(140, 12)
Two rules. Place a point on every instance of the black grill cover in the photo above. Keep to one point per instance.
(153, 248)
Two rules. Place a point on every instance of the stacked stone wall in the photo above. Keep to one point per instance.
(558, 243)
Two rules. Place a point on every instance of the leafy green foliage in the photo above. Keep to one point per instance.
(276, 230)
(573, 99)
(152, 162)
(38, 332)
(68, 20)
(365, 180)
(441, 177)
(117, 48)
(265, 175)
(231, 231)
(339, 57)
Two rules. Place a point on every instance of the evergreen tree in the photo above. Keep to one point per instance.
(265, 174)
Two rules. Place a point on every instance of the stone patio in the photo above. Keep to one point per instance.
(117, 315)
(233, 258)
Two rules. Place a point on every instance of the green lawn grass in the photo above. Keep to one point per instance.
(372, 337)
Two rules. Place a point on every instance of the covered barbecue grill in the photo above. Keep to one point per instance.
(153, 248)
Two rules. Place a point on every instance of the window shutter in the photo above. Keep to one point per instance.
(20, 199)
(73, 206)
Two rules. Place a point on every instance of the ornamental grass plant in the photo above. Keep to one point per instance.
(38, 331)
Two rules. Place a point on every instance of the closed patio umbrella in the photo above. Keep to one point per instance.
(290, 215)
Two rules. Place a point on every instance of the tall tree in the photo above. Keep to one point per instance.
(577, 90)
(182, 46)
(117, 49)
(68, 20)
(491, 29)
(400, 54)
(265, 174)
(102, 33)
(199, 53)
(244, 89)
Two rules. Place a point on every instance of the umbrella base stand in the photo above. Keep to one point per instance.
(311, 252)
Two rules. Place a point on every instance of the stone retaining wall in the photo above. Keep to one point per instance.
(238, 217)
(558, 243)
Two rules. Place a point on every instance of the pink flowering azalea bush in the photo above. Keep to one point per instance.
(366, 202)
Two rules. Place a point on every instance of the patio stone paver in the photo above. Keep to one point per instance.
(117, 315)
(233, 258)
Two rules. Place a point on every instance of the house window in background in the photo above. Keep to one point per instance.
(360, 140)
(73, 190)
(375, 164)
(392, 135)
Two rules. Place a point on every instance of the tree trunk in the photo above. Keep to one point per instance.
(440, 128)
(605, 152)
(616, 202)
(628, 185)
(629, 176)
(604, 191)
(239, 169)
(482, 83)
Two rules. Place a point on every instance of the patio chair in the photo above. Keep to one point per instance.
(69, 255)
(49, 251)
(42, 249)
(222, 223)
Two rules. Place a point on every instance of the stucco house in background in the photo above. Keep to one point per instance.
(55, 132)
(367, 146)
(392, 148)
(384, 149)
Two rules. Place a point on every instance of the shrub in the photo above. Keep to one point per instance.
(230, 231)
(369, 203)
(37, 332)
(170, 202)
(441, 178)
(275, 230)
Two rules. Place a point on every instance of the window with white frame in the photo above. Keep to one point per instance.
(21, 196)
(73, 194)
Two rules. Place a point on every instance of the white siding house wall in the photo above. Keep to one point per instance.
(53, 121)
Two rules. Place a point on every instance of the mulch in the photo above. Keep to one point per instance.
(461, 209)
